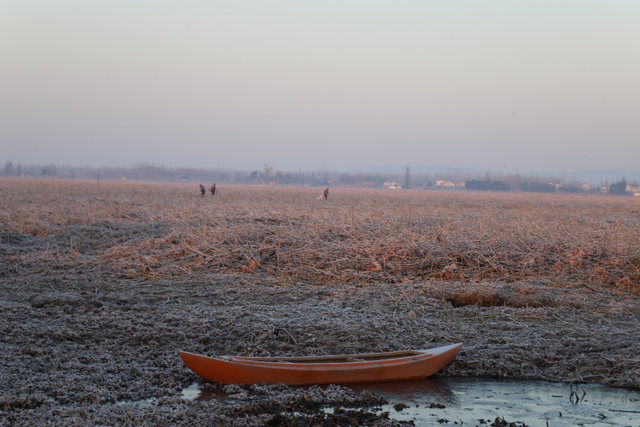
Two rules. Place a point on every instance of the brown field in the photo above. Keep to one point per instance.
(166, 232)
(101, 287)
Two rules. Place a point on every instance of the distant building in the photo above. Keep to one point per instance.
(633, 190)
(448, 184)
(392, 185)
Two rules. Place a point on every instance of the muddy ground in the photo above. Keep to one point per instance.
(69, 356)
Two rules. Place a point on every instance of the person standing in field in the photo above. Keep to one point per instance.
(213, 189)
(203, 191)
(326, 194)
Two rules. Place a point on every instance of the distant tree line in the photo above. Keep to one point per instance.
(269, 176)
(9, 170)
(574, 189)
(619, 188)
(537, 187)
(486, 185)
(49, 170)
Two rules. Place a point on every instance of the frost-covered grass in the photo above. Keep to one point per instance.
(154, 231)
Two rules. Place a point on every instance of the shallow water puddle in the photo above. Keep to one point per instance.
(481, 401)
(535, 403)
(192, 392)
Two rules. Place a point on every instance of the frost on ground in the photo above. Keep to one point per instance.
(99, 292)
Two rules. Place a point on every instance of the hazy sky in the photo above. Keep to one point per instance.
(503, 85)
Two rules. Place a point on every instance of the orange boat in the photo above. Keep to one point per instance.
(353, 368)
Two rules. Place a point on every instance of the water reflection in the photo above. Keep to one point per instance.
(474, 401)
(413, 391)
(216, 394)
(535, 403)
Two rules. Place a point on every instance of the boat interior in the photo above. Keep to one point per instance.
(346, 358)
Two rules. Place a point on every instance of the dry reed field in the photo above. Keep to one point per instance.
(100, 287)
(164, 232)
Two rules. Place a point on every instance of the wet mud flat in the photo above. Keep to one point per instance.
(99, 293)
(72, 357)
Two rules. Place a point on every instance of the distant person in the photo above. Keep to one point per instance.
(203, 190)
(213, 189)
(326, 194)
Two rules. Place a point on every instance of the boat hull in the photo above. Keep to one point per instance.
(321, 370)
